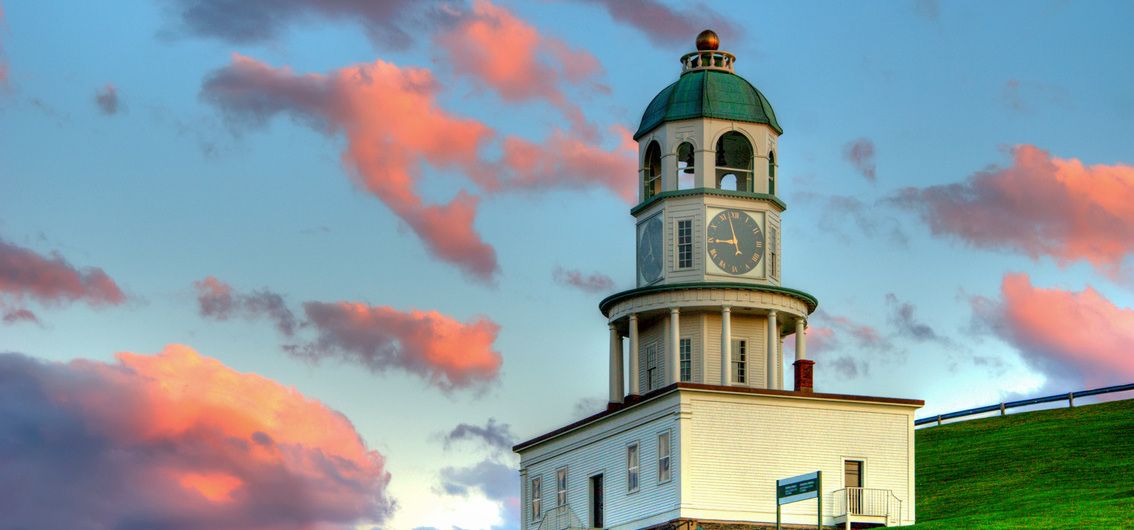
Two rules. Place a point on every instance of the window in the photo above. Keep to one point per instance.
(685, 244)
(632, 467)
(537, 494)
(663, 457)
(686, 360)
(651, 171)
(561, 487)
(686, 171)
(771, 172)
(651, 367)
(739, 360)
(773, 246)
(734, 162)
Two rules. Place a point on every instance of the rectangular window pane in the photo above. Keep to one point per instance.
(536, 497)
(561, 487)
(663, 457)
(632, 467)
(651, 367)
(739, 361)
(686, 359)
(685, 244)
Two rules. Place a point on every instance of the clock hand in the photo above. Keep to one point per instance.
(734, 243)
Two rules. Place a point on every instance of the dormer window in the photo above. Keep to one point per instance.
(685, 166)
(772, 172)
(651, 171)
(734, 163)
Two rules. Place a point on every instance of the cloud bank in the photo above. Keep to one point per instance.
(177, 440)
(1078, 337)
(448, 353)
(28, 275)
(1040, 206)
(257, 21)
(667, 26)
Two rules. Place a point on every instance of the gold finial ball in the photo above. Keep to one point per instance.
(708, 40)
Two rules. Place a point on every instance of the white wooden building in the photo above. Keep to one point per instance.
(699, 425)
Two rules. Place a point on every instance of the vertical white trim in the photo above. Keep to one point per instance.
(674, 359)
(726, 345)
(773, 341)
(634, 356)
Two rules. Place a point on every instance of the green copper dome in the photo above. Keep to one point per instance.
(708, 94)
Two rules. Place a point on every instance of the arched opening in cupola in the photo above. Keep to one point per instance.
(772, 172)
(685, 166)
(651, 171)
(734, 162)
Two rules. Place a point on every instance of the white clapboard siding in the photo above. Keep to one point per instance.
(738, 445)
(601, 448)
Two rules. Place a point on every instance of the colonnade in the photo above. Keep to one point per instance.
(672, 353)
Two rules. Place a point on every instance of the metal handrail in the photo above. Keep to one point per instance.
(560, 518)
(1003, 407)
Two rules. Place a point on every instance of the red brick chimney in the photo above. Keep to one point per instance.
(804, 372)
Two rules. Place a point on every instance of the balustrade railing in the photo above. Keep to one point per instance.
(869, 502)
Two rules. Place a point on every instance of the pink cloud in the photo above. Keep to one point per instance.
(253, 21)
(449, 353)
(494, 47)
(177, 440)
(393, 127)
(665, 25)
(566, 161)
(593, 283)
(1064, 332)
(860, 153)
(218, 301)
(107, 100)
(52, 280)
(1040, 206)
(12, 316)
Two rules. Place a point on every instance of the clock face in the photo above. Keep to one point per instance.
(735, 241)
(650, 250)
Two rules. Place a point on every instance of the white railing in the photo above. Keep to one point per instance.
(707, 60)
(868, 502)
(560, 518)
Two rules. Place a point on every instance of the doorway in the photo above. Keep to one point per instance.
(852, 481)
(596, 501)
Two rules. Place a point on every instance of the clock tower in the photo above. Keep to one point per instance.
(708, 306)
(700, 425)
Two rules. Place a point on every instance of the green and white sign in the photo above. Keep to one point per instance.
(801, 488)
(797, 488)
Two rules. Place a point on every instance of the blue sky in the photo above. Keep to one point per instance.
(169, 189)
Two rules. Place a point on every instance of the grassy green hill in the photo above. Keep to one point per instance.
(1061, 468)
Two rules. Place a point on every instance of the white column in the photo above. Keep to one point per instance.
(800, 339)
(674, 360)
(773, 342)
(615, 365)
(780, 364)
(726, 345)
(634, 390)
